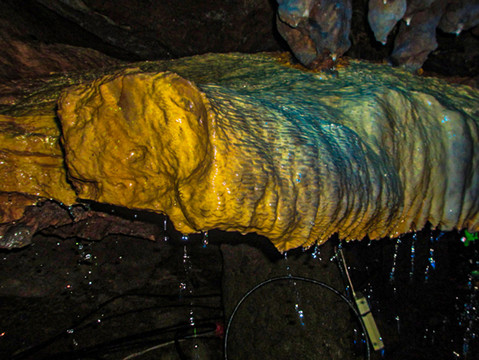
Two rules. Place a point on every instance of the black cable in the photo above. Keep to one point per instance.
(134, 292)
(297, 278)
(138, 340)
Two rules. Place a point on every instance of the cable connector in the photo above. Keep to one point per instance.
(363, 308)
(368, 320)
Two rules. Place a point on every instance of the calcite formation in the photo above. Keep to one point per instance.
(416, 37)
(248, 143)
(318, 29)
(383, 16)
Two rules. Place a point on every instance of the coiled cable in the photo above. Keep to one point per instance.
(296, 278)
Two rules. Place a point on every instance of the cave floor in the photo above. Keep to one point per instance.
(65, 299)
(125, 298)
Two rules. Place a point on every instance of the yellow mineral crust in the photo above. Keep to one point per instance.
(133, 139)
(31, 164)
(256, 146)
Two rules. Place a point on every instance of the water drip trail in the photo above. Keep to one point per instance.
(392, 274)
(316, 254)
(392, 282)
(205, 239)
(165, 224)
(413, 256)
(186, 290)
(469, 317)
(431, 265)
(87, 266)
(297, 307)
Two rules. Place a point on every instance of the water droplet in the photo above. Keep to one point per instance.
(17, 236)
(316, 254)
(300, 314)
(396, 251)
(297, 308)
(459, 29)
(413, 255)
(165, 223)
(205, 239)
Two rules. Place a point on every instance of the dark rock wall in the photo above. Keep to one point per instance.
(42, 36)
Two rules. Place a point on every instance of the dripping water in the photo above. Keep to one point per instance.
(186, 290)
(392, 274)
(165, 224)
(392, 277)
(431, 264)
(71, 334)
(469, 319)
(413, 256)
(205, 239)
(297, 307)
(316, 254)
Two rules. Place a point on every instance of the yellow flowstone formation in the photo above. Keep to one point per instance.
(134, 138)
(31, 164)
(246, 143)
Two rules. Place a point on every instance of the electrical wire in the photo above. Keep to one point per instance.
(296, 278)
(80, 324)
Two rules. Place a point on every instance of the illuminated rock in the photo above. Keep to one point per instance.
(383, 16)
(315, 30)
(256, 146)
(319, 30)
(460, 15)
(416, 37)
